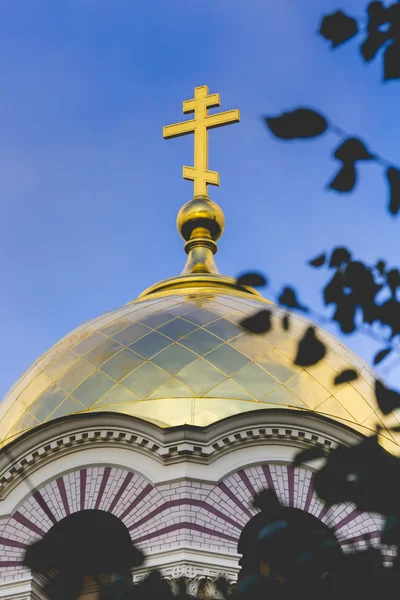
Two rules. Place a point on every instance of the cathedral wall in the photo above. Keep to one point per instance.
(183, 501)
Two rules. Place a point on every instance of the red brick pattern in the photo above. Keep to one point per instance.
(182, 513)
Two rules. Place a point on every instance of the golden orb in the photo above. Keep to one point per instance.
(200, 212)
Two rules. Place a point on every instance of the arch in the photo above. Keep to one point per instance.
(88, 542)
(309, 532)
(188, 512)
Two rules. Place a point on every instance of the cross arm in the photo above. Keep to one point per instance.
(223, 118)
(177, 129)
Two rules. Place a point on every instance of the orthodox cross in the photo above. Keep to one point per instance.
(199, 125)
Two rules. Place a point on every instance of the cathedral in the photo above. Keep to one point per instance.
(167, 414)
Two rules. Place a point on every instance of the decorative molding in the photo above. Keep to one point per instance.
(167, 446)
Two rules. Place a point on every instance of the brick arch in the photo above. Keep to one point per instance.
(183, 512)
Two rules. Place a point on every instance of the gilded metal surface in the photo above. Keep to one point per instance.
(199, 125)
(177, 355)
(209, 283)
(183, 358)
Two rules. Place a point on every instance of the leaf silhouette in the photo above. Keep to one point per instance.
(377, 15)
(333, 291)
(372, 44)
(338, 28)
(288, 298)
(351, 150)
(393, 279)
(393, 17)
(339, 256)
(381, 267)
(310, 349)
(345, 314)
(318, 261)
(380, 356)
(285, 322)
(302, 123)
(307, 455)
(393, 178)
(388, 400)
(252, 280)
(345, 376)
(389, 314)
(391, 62)
(258, 323)
(345, 180)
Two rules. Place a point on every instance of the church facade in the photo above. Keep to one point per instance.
(169, 415)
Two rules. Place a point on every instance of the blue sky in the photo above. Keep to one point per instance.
(90, 190)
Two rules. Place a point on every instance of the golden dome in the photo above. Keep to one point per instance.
(181, 357)
(177, 355)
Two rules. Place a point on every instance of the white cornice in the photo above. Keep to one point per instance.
(259, 435)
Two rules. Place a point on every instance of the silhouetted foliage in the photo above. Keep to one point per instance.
(302, 123)
(382, 30)
(308, 454)
(351, 150)
(346, 376)
(288, 298)
(338, 28)
(393, 178)
(380, 356)
(388, 400)
(318, 261)
(252, 279)
(258, 323)
(286, 322)
(310, 349)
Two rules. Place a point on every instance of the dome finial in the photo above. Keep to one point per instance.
(201, 222)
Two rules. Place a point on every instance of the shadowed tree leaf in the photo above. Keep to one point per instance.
(364, 474)
(318, 261)
(310, 349)
(258, 323)
(338, 28)
(393, 178)
(351, 150)
(381, 267)
(302, 123)
(339, 256)
(388, 400)
(288, 298)
(393, 279)
(377, 15)
(372, 44)
(307, 455)
(252, 280)
(389, 314)
(345, 314)
(345, 180)
(360, 280)
(391, 62)
(393, 17)
(378, 358)
(285, 322)
(333, 291)
(345, 376)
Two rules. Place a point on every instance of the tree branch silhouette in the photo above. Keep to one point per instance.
(306, 123)
(380, 32)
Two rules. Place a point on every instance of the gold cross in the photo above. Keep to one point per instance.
(200, 125)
